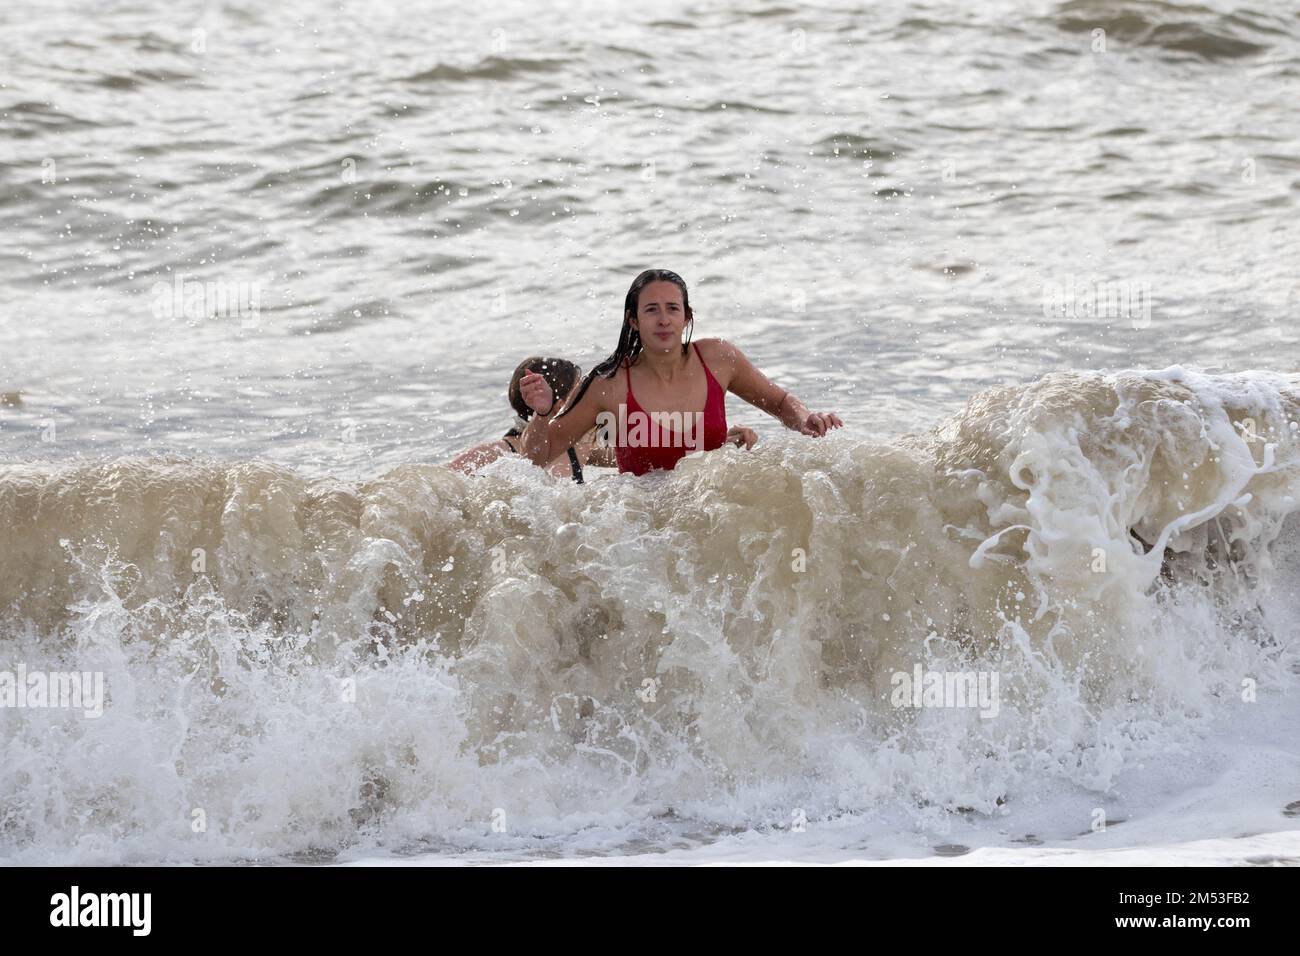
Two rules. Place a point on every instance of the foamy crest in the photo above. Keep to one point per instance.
(429, 661)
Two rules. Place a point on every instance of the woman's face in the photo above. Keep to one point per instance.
(661, 317)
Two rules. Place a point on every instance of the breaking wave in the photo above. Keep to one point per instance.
(300, 667)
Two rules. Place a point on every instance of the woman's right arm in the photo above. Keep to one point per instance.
(548, 436)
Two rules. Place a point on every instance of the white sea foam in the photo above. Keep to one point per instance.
(514, 667)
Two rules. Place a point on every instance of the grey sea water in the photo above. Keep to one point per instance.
(873, 200)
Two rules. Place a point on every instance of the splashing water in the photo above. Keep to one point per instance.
(519, 666)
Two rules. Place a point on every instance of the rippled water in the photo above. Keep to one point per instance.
(868, 198)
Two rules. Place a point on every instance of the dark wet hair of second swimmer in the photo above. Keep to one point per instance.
(559, 374)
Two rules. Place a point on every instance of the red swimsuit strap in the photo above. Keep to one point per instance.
(631, 399)
(714, 391)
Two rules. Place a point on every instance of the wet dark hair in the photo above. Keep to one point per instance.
(559, 374)
(629, 340)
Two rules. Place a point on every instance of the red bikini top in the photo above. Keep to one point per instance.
(647, 440)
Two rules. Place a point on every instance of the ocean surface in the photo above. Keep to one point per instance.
(268, 265)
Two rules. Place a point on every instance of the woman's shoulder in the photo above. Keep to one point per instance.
(606, 389)
(718, 353)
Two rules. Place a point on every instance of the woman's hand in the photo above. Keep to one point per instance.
(536, 391)
(754, 387)
(818, 424)
(740, 436)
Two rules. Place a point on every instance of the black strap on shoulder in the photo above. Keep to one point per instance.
(574, 465)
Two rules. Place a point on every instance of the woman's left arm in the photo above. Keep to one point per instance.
(753, 386)
(468, 462)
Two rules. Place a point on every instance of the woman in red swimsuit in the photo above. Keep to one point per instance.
(656, 397)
